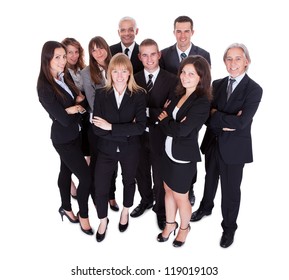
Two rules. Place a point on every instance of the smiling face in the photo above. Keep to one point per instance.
(72, 55)
(149, 56)
(120, 75)
(58, 62)
(236, 62)
(127, 32)
(183, 32)
(189, 78)
(99, 54)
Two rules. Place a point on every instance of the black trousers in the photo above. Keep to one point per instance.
(231, 178)
(149, 175)
(93, 157)
(105, 167)
(72, 161)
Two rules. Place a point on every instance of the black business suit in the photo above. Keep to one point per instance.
(153, 140)
(136, 63)
(121, 144)
(65, 136)
(185, 146)
(170, 59)
(226, 152)
(85, 123)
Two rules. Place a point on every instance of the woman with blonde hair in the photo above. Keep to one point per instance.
(119, 118)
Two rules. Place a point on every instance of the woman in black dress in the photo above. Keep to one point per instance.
(181, 122)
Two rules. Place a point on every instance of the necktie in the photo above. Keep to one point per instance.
(126, 51)
(230, 88)
(150, 83)
(183, 56)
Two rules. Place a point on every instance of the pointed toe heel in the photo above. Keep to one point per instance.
(63, 213)
(100, 237)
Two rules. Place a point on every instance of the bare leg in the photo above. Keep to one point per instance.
(185, 211)
(171, 211)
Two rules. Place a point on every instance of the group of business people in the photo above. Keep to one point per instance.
(145, 110)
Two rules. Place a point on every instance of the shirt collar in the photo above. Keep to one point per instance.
(155, 74)
(130, 47)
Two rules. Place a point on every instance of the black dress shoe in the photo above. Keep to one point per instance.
(100, 237)
(192, 197)
(199, 214)
(139, 210)
(161, 222)
(113, 207)
(227, 240)
(122, 227)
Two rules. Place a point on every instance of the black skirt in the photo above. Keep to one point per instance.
(178, 176)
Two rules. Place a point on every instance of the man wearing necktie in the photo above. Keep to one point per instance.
(173, 55)
(160, 86)
(227, 143)
(127, 30)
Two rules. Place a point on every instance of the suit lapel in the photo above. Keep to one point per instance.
(112, 99)
(238, 91)
(125, 99)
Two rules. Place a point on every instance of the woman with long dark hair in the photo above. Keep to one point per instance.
(64, 103)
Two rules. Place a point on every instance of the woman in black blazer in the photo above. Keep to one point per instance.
(75, 63)
(181, 122)
(119, 118)
(64, 104)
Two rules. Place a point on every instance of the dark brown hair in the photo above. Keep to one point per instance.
(45, 74)
(203, 69)
(95, 72)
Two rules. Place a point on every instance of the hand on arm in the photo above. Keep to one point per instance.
(101, 123)
(167, 103)
(233, 129)
(75, 109)
(162, 115)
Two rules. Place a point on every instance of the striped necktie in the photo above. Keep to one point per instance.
(150, 83)
(183, 56)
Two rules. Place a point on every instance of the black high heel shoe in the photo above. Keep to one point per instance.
(63, 213)
(86, 231)
(177, 243)
(100, 237)
(161, 238)
(122, 227)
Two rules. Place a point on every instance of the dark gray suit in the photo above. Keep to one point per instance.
(226, 152)
(170, 60)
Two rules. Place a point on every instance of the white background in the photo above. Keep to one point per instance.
(35, 244)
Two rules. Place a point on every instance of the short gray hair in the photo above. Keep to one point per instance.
(240, 46)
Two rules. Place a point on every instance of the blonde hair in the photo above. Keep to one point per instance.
(122, 60)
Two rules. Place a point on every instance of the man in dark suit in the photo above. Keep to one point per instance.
(127, 30)
(173, 55)
(160, 90)
(227, 143)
